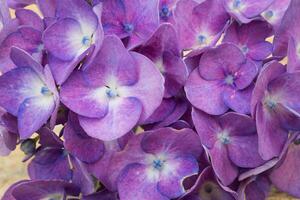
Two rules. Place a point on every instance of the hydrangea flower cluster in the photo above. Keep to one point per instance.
(151, 99)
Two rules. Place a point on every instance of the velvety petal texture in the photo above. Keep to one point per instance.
(111, 106)
(26, 94)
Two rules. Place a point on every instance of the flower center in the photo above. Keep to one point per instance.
(229, 79)
(270, 102)
(86, 41)
(202, 39)
(224, 137)
(208, 190)
(158, 164)
(128, 27)
(111, 92)
(269, 14)
(165, 12)
(45, 91)
(245, 49)
(237, 4)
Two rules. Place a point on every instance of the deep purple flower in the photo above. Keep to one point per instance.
(28, 37)
(275, 104)
(223, 80)
(246, 10)
(251, 39)
(207, 187)
(231, 141)
(102, 195)
(285, 176)
(154, 164)
(135, 20)
(200, 25)
(29, 93)
(76, 33)
(113, 94)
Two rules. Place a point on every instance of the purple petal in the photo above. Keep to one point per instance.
(170, 185)
(284, 177)
(216, 63)
(198, 92)
(243, 151)
(206, 187)
(170, 140)
(50, 163)
(80, 95)
(206, 127)
(29, 18)
(47, 7)
(223, 167)
(39, 189)
(268, 73)
(17, 85)
(255, 188)
(64, 39)
(133, 184)
(33, 113)
(79, 144)
(238, 100)
(122, 116)
(271, 137)
(150, 95)
(196, 26)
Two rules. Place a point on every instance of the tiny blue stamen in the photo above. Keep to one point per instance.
(202, 39)
(237, 3)
(86, 41)
(165, 12)
(128, 28)
(111, 93)
(229, 79)
(269, 14)
(158, 164)
(245, 49)
(270, 104)
(224, 137)
(45, 91)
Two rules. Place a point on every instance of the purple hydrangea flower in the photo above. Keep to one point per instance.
(166, 10)
(28, 37)
(113, 94)
(251, 39)
(207, 187)
(246, 10)
(275, 104)
(229, 74)
(29, 93)
(76, 33)
(231, 141)
(199, 25)
(135, 20)
(153, 165)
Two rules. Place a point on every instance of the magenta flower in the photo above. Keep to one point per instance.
(110, 106)
(231, 141)
(275, 104)
(73, 35)
(29, 93)
(229, 74)
(133, 20)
